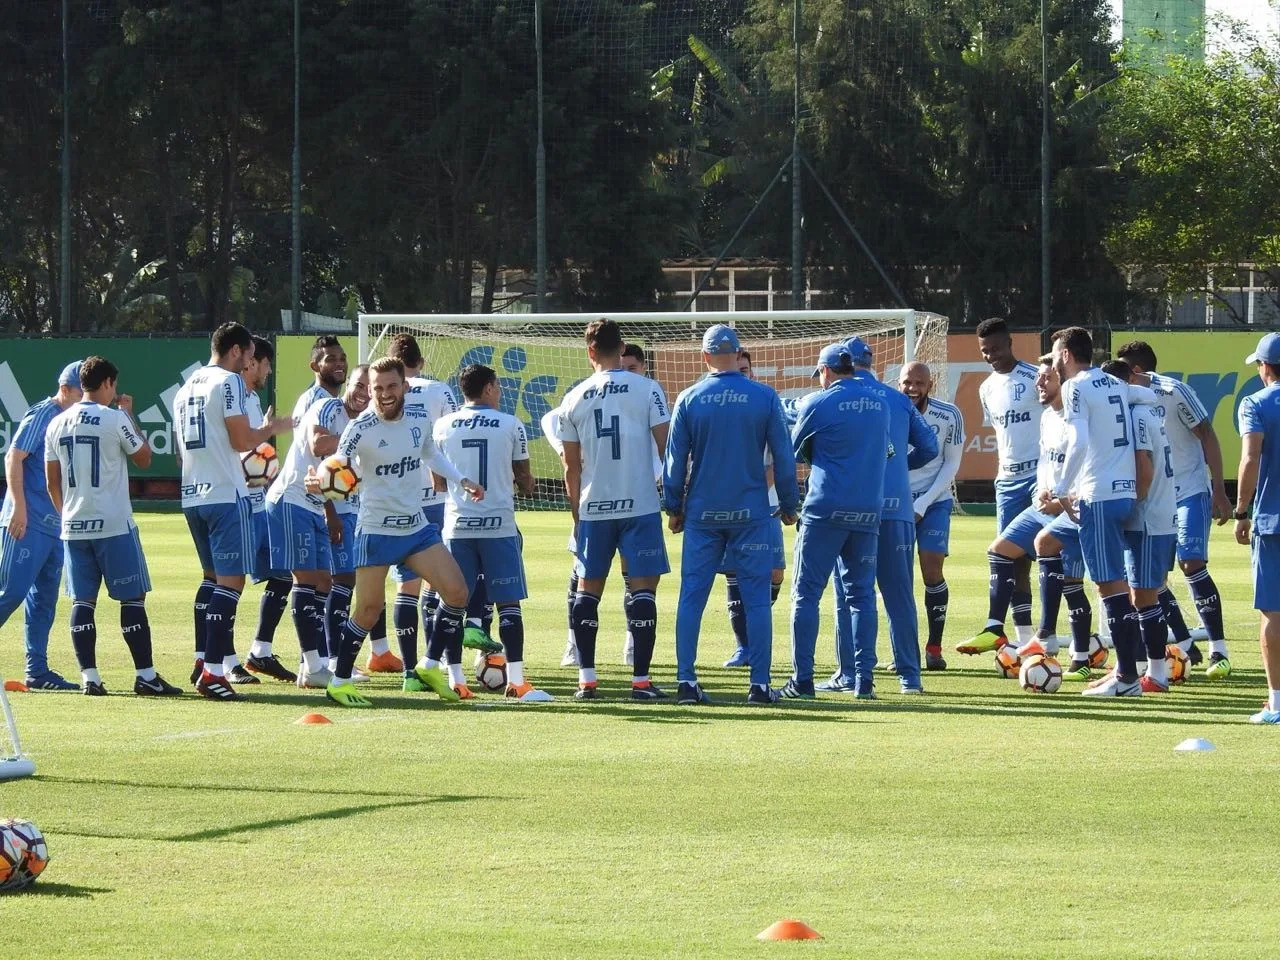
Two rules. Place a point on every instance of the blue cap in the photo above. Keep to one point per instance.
(1268, 350)
(859, 350)
(70, 375)
(836, 356)
(721, 339)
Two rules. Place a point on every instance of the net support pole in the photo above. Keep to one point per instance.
(64, 317)
(540, 178)
(909, 337)
(797, 204)
(1046, 248)
(295, 243)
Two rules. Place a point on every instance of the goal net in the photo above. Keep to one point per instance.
(541, 357)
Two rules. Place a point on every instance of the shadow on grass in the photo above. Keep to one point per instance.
(68, 890)
(269, 788)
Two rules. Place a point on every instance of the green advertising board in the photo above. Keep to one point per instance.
(151, 371)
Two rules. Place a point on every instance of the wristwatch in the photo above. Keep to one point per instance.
(1240, 515)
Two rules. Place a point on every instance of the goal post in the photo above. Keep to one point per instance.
(541, 357)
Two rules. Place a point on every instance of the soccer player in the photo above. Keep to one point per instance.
(87, 452)
(733, 600)
(482, 535)
(212, 427)
(390, 446)
(843, 432)
(1010, 405)
(30, 552)
(329, 364)
(1151, 531)
(1097, 485)
(1258, 486)
(715, 490)
(1202, 497)
(933, 500)
(609, 425)
(275, 592)
(895, 566)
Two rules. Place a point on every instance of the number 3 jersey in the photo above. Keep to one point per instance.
(612, 415)
(1099, 455)
(92, 444)
(211, 470)
(394, 459)
(482, 443)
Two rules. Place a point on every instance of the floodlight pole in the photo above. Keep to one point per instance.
(295, 293)
(64, 319)
(540, 174)
(1046, 248)
(797, 207)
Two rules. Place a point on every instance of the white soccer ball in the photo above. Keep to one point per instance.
(1040, 674)
(261, 465)
(23, 854)
(491, 671)
(338, 478)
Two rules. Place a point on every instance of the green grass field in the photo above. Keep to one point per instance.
(977, 821)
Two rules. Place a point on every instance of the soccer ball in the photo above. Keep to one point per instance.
(491, 671)
(1179, 663)
(1097, 651)
(23, 854)
(1007, 661)
(260, 465)
(1040, 674)
(338, 479)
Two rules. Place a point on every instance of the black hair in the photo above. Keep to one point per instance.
(404, 347)
(229, 336)
(1077, 342)
(634, 350)
(96, 371)
(262, 349)
(474, 378)
(1139, 352)
(1118, 369)
(326, 341)
(605, 335)
(991, 327)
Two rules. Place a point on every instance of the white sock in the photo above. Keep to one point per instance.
(515, 672)
(380, 646)
(340, 681)
(429, 664)
(586, 674)
(1274, 699)
(199, 654)
(312, 662)
(260, 648)
(456, 677)
(332, 664)
(1218, 646)
(572, 642)
(90, 676)
(1185, 645)
(1158, 670)
(644, 679)
(214, 669)
(146, 673)
(474, 622)
(995, 625)
(230, 663)
(1024, 632)
(1050, 644)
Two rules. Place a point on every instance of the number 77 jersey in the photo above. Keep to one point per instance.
(482, 443)
(612, 415)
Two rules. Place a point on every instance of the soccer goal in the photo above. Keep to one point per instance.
(540, 357)
(13, 765)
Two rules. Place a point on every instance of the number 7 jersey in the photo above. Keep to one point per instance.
(211, 471)
(482, 443)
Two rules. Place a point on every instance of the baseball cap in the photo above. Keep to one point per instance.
(858, 350)
(834, 355)
(1268, 350)
(721, 339)
(70, 375)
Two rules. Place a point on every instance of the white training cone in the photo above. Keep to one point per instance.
(1194, 745)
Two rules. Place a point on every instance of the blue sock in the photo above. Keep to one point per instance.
(427, 604)
(1051, 588)
(203, 593)
(584, 617)
(404, 620)
(349, 648)
(271, 608)
(1122, 624)
(220, 627)
(1173, 616)
(1154, 631)
(301, 602)
(136, 629)
(1080, 616)
(337, 610)
(449, 624)
(999, 589)
(937, 598)
(642, 623)
(1208, 603)
(511, 632)
(737, 615)
(84, 634)
(1021, 600)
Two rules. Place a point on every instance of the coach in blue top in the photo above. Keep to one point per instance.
(843, 432)
(714, 488)
(30, 528)
(895, 566)
(1258, 484)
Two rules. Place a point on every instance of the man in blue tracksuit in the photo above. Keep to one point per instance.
(31, 531)
(715, 491)
(843, 432)
(909, 433)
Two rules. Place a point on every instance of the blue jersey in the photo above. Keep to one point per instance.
(1260, 413)
(30, 440)
(724, 423)
(843, 432)
(908, 432)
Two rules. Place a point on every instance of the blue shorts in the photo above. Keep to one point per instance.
(777, 549)
(434, 515)
(1148, 558)
(497, 559)
(638, 540)
(1194, 521)
(117, 561)
(385, 550)
(299, 537)
(1067, 533)
(223, 534)
(262, 569)
(342, 556)
(933, 530)
(1102, 541)
(1021, 530)
(1266, 572)
(1012, 497)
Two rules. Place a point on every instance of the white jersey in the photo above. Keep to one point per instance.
(1183, 412)
(1011, 407)
(290, 485)
(307, 400)
(394, 460)
(931, 483)
(481, 443)
(211, 470)
(1053, 449)
(93, 443)
(1099, 460)
(1157, 512)
(253, 410)
(612, 415)
(551, 428)
(434, 398)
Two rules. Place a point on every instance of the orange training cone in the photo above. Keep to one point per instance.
(15, 686)
(309, 718)
(789, 930)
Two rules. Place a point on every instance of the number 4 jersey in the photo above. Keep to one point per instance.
(482, 443)
(92, 444)
(211, 471)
